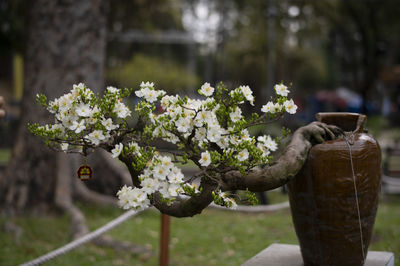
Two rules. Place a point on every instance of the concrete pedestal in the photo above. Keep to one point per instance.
(289, 255)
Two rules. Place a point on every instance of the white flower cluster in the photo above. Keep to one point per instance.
(214, 129)
(79, 116)
(273, 108)
(147, 91)
(198, 120)
(266, 144)
(161, 175)
(246, 92)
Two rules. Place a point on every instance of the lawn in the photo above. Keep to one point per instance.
(213, 238)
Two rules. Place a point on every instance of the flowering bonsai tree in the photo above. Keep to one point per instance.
(212, 132)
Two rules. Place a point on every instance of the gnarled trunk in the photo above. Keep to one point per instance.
(66, 45)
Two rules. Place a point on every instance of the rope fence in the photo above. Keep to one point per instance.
(80, 241)
(122, 218)
(254, 209)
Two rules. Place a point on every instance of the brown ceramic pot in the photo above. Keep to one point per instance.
(323, 199)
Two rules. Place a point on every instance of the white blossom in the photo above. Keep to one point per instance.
(150, 95)
(268, 108)
(214, 134)
(206, 89)
(84, 110)
(111, 89)
(96, 137)
(234, 139)
(146, 84)
(150, 185)
(290, 107)
(183, 124)
(166, 161)
(166, 101)
(64, 103)
(262, 139)
(148, 92)
(201, 135)
(175, 176)
(248, 93)
(53, 106)
(121, 110)
(193, 104)
(125, 197)
(117, 150)
(205, 159)
(163, 190)
(174, 189)
(108, 124)
(80, 86)
(281, 90)
(174, 111)
(129, 197)
(67, 121)
(264, 149)
(223, 143)
(243, 155)
(202, 117)
(236, 114)
(269, 143)
(245, 135)
(77, 126)
(160, 172)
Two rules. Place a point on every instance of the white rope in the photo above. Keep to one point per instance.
(356, 194)
(393, 181)
(254, 209)
(86, 238)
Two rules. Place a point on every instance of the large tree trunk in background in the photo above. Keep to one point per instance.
(66, 45)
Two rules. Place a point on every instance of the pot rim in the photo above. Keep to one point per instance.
(348, 122)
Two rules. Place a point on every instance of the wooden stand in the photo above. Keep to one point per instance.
(289, 255)
(164, 239)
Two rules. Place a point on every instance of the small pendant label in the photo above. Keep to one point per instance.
(85, 172)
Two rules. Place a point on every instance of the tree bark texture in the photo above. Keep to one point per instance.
(66, 45)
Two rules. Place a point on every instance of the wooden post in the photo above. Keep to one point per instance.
(164, 241)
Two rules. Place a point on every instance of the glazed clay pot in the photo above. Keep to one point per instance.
(323, 198)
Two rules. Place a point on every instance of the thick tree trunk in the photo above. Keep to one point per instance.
(66, 45)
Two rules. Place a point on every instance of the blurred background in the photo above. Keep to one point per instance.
(337, 55)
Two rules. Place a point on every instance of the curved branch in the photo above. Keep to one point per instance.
(287, 166)
(187, 207)
(270, 177)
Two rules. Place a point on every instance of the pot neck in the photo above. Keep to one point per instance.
(348, 122)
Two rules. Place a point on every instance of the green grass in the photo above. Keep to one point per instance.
(213, 238)
(377, 124)
(386, 234)
(5, 155)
